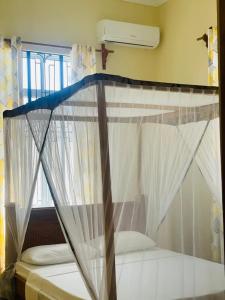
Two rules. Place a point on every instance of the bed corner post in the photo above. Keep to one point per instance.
(108, 222)
(221, 51)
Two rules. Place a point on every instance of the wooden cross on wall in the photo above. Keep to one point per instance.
(105, 52)
(204, 37)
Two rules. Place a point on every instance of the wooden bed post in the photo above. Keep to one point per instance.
(221, 51)
(108, 223)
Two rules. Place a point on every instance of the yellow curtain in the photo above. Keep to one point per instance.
(9, 98)
(216, 214)
(217, 232)
(213, 57)
(83, 60)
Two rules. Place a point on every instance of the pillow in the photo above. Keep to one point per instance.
(127, 241)
(53, 254)
(131, 241)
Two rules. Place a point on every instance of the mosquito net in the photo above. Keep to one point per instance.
(133, 170)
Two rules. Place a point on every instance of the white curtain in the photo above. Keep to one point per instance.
(209, 160)
(21, 177)
(83, 62)
(166, 161)
(71, 162)
(21, 169)
(208, 155)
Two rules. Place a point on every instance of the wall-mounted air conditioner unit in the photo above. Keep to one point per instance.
(128, 34)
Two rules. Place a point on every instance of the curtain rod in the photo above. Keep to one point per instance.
(104, 51)
(45, 45)
(40, 44)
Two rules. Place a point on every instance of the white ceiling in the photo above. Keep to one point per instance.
(148, 2)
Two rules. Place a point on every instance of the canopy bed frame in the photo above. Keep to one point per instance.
(90, 102)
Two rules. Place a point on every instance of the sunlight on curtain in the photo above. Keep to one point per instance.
(213, 57)
(217, 227)
(9, 96)
(213, 81)
(83, 60)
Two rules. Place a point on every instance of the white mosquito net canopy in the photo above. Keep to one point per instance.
(133, 170)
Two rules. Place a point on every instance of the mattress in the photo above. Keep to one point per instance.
(24, 269)
(156, 274)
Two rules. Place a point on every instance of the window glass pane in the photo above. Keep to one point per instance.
(67, 73)
(45, 74)
(45, 78)
(52, 75)
(25, 72)
(35, 65)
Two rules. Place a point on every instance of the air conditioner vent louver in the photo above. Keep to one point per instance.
(128, 44)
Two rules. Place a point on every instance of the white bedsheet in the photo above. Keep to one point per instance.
(153, 275)
(24, 269)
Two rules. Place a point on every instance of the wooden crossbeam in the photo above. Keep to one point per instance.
(182, 116)
(135, 105)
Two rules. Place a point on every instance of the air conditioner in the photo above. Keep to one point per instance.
(128, 34)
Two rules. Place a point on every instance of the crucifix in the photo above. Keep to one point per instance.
(105, 52)
(204, 37)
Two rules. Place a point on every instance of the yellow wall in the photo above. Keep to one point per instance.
(69, 21)
(180, 57)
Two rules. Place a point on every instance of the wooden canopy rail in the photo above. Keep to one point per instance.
(134, 105)
(122, 105)
(173, 119)
(163, 86)
(183, 115)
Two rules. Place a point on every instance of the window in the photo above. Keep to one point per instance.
(44, 73)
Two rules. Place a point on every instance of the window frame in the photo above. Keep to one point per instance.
(30, 78)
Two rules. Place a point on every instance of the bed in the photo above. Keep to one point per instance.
(57, 281)
(106, 141)
(44, 229)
